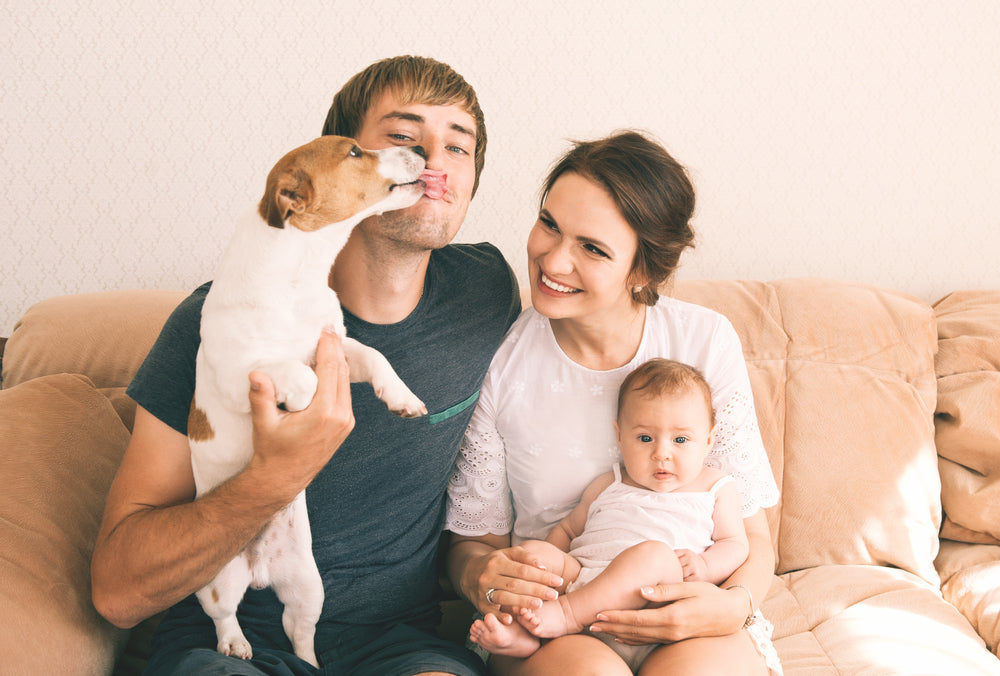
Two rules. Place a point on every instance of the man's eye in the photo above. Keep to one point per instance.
(458, 150)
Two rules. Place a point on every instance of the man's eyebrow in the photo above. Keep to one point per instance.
(400, 115)
(413, 117)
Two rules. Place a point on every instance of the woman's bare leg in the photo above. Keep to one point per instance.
(733, 655)
(577, 654)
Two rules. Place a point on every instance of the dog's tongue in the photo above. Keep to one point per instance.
(434, 183)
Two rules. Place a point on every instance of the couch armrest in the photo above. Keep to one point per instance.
(970, 576)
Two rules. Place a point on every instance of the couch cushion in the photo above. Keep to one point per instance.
(870, 620)
(970, 580)
(844, 385)
(968, 414)
(103, 335)
(60, 444)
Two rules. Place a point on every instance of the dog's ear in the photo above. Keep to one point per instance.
(290, 193)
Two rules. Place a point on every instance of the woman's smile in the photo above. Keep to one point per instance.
(554, 285)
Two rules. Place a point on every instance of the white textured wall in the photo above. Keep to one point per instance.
(856, 139)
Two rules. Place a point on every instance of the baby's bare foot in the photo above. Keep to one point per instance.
(553, 619)
(502, 639)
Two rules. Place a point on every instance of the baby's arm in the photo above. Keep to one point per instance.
(730, 544)
(572, 525)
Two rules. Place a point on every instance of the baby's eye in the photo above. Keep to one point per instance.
(680, 440)
(645, 438)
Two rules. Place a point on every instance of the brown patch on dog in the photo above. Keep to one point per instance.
(199, 428)
(215, 595)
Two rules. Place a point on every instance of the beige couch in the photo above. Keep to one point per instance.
(875, 408)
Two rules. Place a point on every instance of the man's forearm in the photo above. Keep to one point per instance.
(157, 556)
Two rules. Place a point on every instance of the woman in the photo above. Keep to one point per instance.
(612, 225)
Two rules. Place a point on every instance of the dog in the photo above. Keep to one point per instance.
(265, 310)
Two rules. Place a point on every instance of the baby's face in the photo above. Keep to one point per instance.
(664, 439)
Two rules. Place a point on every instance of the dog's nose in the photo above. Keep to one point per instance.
(419, 150)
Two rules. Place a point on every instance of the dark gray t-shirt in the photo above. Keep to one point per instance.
(377, 508)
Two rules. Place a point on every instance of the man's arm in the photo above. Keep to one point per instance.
(157, 544)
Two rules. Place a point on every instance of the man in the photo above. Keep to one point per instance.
(376, 483)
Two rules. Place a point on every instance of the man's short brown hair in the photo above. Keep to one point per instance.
(414, 79)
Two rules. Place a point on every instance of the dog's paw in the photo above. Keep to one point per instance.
(399, 399)
(295, 400)
(307, 655)
(294, 385)
(235, 646)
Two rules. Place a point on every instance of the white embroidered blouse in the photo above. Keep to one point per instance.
(542, 429)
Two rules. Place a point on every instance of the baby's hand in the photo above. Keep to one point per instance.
(692, 565)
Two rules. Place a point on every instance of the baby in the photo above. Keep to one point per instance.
(659, 517)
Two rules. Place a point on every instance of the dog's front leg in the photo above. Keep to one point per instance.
(294, 383)
(368, 365)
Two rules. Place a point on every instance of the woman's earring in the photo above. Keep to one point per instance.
(637, 288)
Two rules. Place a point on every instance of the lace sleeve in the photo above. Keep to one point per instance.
(738, 449)
(478, 495)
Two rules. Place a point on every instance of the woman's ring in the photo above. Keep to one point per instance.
(489, 596)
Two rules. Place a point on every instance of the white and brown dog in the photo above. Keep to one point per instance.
(268, 303)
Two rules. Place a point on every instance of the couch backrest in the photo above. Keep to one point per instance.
(103, 335)
(968, 414)
(843, 378)
(844, 385)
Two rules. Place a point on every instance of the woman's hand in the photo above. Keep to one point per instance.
(515, 576)
(690, 609)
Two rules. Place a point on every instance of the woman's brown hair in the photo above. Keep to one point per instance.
(653, 194)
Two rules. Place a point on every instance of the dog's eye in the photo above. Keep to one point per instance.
(355, 152)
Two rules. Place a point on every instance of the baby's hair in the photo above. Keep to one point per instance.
(658, 377)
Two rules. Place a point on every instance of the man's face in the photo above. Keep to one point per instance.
(448, 136)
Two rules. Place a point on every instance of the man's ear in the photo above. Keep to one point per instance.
(289, 194)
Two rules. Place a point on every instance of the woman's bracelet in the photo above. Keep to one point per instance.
(750, 617)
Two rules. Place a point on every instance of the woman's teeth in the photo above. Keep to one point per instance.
(558, 287)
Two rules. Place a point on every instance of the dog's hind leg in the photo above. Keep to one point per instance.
(220, 599)
(368, 365)
(297, 582)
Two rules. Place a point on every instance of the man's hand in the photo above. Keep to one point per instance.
(296, 446)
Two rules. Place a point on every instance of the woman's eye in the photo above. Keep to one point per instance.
(548, 223)
(595, 250)
(645, 438)
(680, 440)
